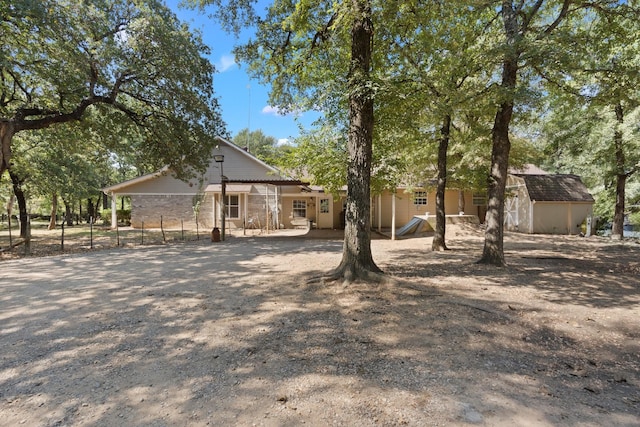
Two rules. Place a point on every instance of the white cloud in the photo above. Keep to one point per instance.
(268, 109)
(275, 111)
(283, 141)
(226, 62)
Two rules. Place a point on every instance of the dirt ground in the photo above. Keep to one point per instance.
(236, 333)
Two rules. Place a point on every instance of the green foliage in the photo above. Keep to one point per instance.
(132, 62)
(591, 127)
(264, 147)
(319, 156)
(123, 216)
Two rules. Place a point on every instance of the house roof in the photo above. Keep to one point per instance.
(137, 180)
(266, 174)
(244, 186)
(528, 169)
(556, 188)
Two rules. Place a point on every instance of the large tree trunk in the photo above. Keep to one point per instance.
(438, 243)
(357, 260)
(493, 251)
(22, 203)
(7, 130)
(617, 230)
(68, 212)
(54, 211)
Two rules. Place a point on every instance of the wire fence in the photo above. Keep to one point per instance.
(64, 238)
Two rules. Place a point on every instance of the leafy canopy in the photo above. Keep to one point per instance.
(60, 58)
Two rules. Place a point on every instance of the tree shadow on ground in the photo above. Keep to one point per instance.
(192, 335)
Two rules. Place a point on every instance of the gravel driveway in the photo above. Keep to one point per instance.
(237, 334)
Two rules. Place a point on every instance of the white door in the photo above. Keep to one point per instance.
(511, 213)
(325, 213)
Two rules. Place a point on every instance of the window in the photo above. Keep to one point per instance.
(233, 206)
(420, 198)
(299, 208)
(324, 205)
(479, 199)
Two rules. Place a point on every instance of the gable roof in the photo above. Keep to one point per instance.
(556, 188)
(239, 166)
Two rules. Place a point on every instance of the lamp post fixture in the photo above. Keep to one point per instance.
(219, 158)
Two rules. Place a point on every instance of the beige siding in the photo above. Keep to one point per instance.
(559, 218)
(164, 184)
(287, 208)
(406, 209)
(237, 165)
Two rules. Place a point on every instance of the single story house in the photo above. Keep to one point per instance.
(260, 196)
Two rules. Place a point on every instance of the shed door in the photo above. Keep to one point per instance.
(511, 213)
(325, 214)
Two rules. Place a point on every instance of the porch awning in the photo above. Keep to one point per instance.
(231, 188)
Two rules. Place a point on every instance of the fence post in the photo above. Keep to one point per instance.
(90, 232)
(27, 242)
(117, 235)
(62, 238)
(164, 239)
(142, 232)
(182, 228)
(197, 229)
(10, 237)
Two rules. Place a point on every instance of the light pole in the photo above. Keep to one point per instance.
(219, 158)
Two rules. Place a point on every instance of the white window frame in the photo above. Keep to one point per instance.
(298, 206)
(228, 205)
(420, 198)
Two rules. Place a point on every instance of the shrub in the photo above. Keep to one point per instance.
(123, 215)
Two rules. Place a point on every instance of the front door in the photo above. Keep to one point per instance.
(325, 214)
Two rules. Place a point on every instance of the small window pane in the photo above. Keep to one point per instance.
(233, 206)
(324, 205)
(300, 208)
(420, 198)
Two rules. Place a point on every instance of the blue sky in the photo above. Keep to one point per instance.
(244, 102)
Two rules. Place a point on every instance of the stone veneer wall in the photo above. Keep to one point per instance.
(175, 210)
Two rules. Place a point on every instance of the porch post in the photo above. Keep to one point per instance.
(379, 212)
(245, 202)
(216, 207)
(266, 220)
(278, 210)
(393, 216)
(114, 211)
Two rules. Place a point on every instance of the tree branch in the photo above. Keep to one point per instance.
(323, 34)
(559, 18)
(52, 116)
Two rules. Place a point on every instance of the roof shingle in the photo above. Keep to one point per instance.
(556, 188)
